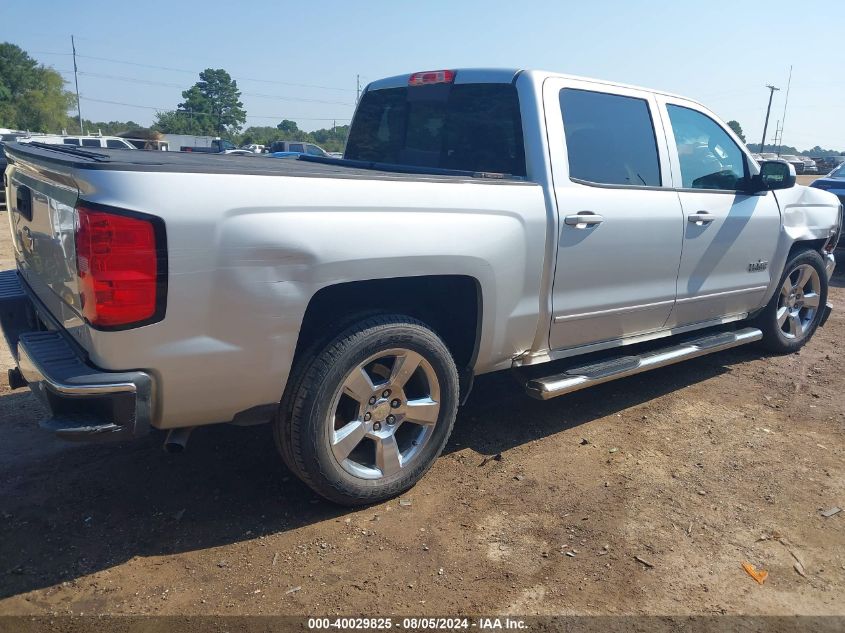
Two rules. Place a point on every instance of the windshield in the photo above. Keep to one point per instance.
(839, 172)
(466, 127)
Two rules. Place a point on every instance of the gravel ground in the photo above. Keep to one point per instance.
(642, 496)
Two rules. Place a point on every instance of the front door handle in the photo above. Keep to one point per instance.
(701, 218)
(583, 220)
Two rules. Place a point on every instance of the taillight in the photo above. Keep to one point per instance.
(118, 266)
(432, 77)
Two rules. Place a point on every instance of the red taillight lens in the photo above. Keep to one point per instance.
(117, 265)
(432, 77)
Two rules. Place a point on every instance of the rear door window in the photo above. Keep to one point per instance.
(467, 127)
(609, 139)
(71, 141)
(90, 142)
(296, 147)
(115, 144)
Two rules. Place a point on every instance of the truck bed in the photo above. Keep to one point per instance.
(191, 162)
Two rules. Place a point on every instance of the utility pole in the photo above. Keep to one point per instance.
(768, 111)
(357, 88)
(76, 81)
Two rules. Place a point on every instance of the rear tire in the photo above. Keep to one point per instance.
(370, 411)
(792, 316)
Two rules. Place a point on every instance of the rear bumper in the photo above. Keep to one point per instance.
(85, 402)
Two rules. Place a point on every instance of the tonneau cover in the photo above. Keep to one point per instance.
(190, 162)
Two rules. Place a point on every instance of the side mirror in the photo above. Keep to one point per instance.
(774, 174)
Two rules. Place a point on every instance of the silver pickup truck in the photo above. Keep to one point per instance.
(480, 220)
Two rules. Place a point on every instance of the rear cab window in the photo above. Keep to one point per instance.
(474, 127)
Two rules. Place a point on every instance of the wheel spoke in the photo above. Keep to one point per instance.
(359, 386)
(423, 411)
(806, 273)
(795, 327)
(347, 438)
(811, 300)
(782, 313)
(404, 367)
(388, 459)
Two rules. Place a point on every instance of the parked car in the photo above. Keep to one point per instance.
(827, 164)
(793, 160)
(834, 182)
(280, 149)
(809, 165)
(481, 221)
(215, 146)
(255, 148)
(109, 142)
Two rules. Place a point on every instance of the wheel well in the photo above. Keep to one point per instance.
(449, 304)
(806, 245)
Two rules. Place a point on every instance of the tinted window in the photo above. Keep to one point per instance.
(71, 141)
(115, 144)
(708, 157)
(91, 142)
(609, 139)
(467, 127)
(296, 147)
(314, 150)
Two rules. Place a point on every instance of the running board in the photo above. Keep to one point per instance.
(588, 375)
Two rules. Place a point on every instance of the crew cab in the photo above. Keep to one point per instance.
(481, 220)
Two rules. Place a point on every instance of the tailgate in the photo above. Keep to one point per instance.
(41, 217)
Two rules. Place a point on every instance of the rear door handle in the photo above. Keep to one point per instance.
(701, 218)
(583, 220)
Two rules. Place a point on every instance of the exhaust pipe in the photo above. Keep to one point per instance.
(177, 440)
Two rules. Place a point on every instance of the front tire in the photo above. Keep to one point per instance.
(794, 312)
(373, 409)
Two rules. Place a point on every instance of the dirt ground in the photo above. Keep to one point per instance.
(642, 496)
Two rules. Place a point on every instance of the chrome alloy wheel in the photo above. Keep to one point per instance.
(799, 301)
(384, 414)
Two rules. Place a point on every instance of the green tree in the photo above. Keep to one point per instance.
(32, 96)
(261, 135)
(737, 128)
(177, 122)
(107, 128)
(211, 106)
(288, 127)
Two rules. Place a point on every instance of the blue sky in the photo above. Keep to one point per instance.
(299, 60)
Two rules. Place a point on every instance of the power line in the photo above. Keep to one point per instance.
(149, 82)
(250, 116)
(195, 72)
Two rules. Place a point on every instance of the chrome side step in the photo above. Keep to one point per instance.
(588, 375)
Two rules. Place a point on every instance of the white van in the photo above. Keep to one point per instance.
(110, 142)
